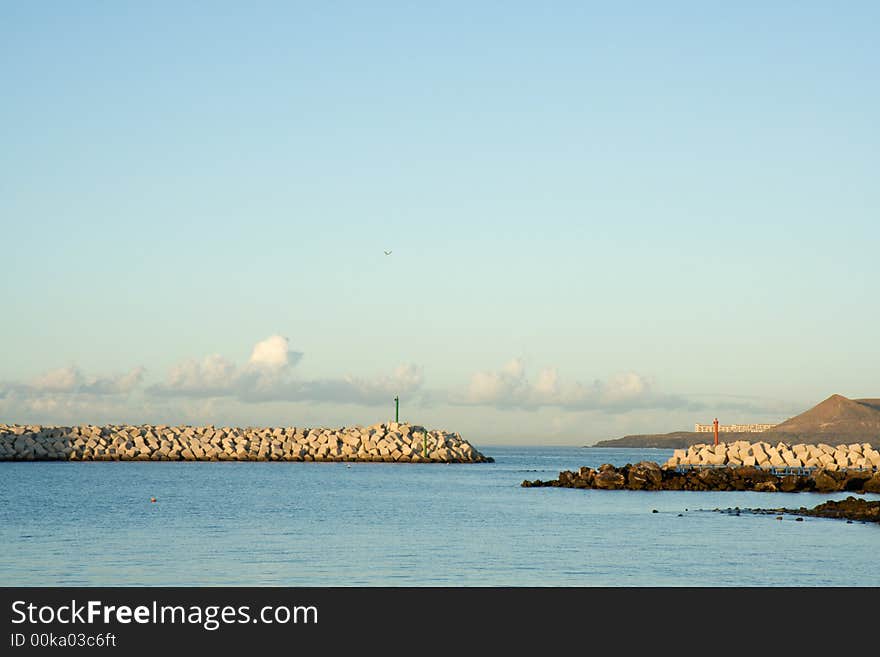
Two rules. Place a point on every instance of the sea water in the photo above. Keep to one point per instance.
(382, 524)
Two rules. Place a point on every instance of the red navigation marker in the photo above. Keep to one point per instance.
(715, 424)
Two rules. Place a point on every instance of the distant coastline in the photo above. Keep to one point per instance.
(684, 439)
(837, 419)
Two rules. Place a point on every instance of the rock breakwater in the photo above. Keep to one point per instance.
(389, 442)
(647, 475)
(781, 455)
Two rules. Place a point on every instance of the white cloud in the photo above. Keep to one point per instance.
(510, 388)
(405, 379)
(68, 395)
(65, 379)
(266, 386)
(213, 376)
(507, 386)
(625, 386)
(71, 380)
(547, 384)
(272, 354)
(270, 362)
(268, 376)
(114, 385)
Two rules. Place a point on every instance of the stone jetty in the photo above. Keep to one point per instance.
(647, 475)
(781, 455)
(389, 442)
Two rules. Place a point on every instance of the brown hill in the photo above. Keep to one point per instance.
(837, 416)
(835, 420)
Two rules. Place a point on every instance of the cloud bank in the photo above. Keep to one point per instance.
(271, 361)
(71, 381)
(509, 387)
(268, 376)
(266, 386)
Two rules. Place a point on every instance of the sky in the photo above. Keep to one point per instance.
(603, 218)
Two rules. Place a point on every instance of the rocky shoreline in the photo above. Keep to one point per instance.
(851, 509)
(647, 475)
(390, 442)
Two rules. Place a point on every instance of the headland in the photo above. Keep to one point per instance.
(835, 419)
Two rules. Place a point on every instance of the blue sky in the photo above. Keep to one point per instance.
(605, 218)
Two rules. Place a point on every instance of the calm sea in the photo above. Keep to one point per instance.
(371, 524)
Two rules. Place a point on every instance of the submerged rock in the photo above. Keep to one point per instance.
(851, 509)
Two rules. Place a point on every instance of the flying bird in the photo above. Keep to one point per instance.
(387, 252)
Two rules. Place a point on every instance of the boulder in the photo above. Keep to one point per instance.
(872, 485)
(826, 481)
(441, 454)
(715, 479)
(790, 484)
(644, 475)
(609, 480)
(855, 480)
(737, 453)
